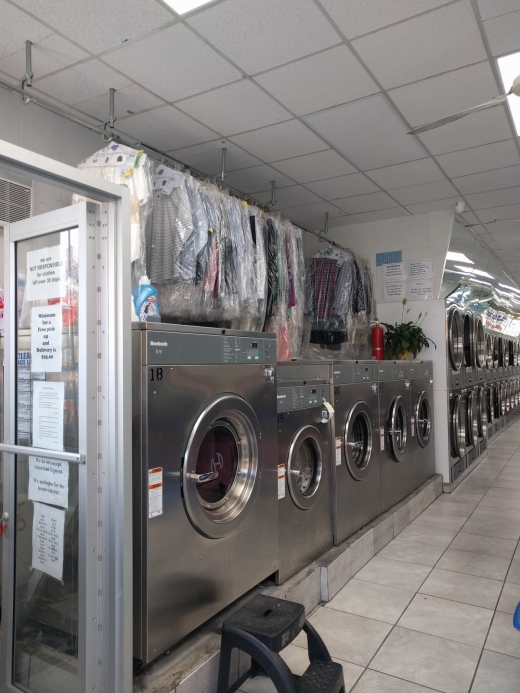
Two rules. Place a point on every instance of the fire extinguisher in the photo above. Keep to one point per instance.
(378, 349)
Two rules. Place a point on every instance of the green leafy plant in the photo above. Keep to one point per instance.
(406, 337)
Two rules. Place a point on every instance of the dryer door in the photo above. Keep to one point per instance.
(496, 352)
(222, 463)
(489, 351)
(358, 440)
(482, 412)
(397, 428)
(455, 339)
(496, 401)
(305, 467)
(424, 419)
(489, 404)
(457, 427)
(469, 340)
(480, 343)
(503, 399)
(471, 419)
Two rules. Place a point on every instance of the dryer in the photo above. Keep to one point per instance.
(470, 399)
(397, 477)
(305, 427)
(480, 349)
(482, 418)
(357, 472)
(455, 330)
(457, 433)
(205, 502)
(422, 448)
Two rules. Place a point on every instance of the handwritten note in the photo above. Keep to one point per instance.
(48, 540)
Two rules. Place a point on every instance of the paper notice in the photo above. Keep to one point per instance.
(155, 492)
(420, 269)
(281, 481)
(420, 289)
(394, 271)
(338, 451)
(45, 274)
(394, 292)
(46, 356)
(48, 540)
(49, 481)
(47, 409)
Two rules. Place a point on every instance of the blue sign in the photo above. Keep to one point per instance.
(389, 258)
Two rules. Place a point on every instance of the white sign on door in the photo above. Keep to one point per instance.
(48, 540)
(47, 408)
(49, 481)
(45, 274)
(46, 356)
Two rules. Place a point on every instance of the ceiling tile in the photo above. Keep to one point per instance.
(82, 82)
(320, 81)
(504, 230)
(293, 196)
(127, 101)
(494, 8)
(257, 178)
(344, 186)
(428, 192)
(477, 159)
(313, 212)
(312, 167)
(505, 212)
(366, 203)
(207, 157)
(409, 173)
(281, 141)
(235, 108)
(48, 55)
(502, 33)
(437, 97)
(367, 132)
(476, 129)
(489, 180)
(495, 198)
(471, 218)
(435, 206)
(441, 40)
(17, 27)
(173, 63)
(101, 27)
(357, 17)
(260, 35)
(166, 128)
(383, 214)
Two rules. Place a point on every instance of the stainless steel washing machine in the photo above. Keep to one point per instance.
(457, 433)
(482, 418)
(468, 361)
(357, 471)
(470, 399)
(490, 410)
(305, 428)
(422, 447)
(205, 475)
(480, 349)
(397, 476)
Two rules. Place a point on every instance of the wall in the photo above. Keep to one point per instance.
(420, 237)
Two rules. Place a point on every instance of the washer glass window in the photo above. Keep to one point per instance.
(423, 423)
(218, 460)
(358, 440)
(305, 465)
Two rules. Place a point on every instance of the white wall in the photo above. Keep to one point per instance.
(421, 237)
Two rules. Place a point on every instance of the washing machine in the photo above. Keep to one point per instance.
(468, 361)
(480, 349)
(357, 471)
(305, 428)
(397, 473)
(422, 447)
(482, 418)
(455, 330)
(205, 481)
(457, 433)
(470, 399)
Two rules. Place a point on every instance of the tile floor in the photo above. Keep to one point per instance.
(433, 610)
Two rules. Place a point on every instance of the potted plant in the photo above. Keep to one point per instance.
(407, 338)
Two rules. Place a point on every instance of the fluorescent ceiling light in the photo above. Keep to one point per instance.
(458, 257)
(509, 67)
(471, 270)
(506, 286)
(183, 6)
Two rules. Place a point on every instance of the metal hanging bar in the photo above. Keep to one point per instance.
(112, 116)
(273, 200)
(28, 76)
(223, 167)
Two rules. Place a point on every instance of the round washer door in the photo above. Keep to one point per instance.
(469, 339)
(503, 399)
(482, 412)
(397, 428)
(222, 466)
(455, 339)
(423, 419)
(489, 404)
(489, 351)
(496, 401)
(358, 440)
(480, 343)
(305, 467)
(471, 419)
(458, 427)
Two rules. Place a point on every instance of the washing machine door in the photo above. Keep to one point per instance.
(480, 342)
(222, 466)
(471, 419)
(397, 428)
(469, 339)
(503, 399)
(457, 427)
(496, 350)
(501, 360)
(305, 467)
(482, 412)
(423, 419)
(489, 404)
(455, 339)
(496, 401)
(358, 440)
(489, 351)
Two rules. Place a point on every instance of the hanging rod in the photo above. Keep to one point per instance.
(154, 153)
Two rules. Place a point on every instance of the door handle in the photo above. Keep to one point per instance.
(202, 478)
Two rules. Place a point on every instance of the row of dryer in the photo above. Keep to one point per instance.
(246, 469)
(483, 386)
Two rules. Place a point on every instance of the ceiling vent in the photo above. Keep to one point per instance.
(15, 201)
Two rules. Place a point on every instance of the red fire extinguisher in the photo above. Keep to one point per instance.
(378, 348)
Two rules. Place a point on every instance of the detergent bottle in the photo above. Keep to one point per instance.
(145, 300)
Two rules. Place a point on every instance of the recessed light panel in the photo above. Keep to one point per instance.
(509, 67)
(458, 257)
(183, 6)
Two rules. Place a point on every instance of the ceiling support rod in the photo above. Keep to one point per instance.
(273, 200)
(223, 168)
(28, 76)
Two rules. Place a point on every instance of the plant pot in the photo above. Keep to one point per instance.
(404, 357)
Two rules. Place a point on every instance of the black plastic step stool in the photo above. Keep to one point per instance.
(265, 626)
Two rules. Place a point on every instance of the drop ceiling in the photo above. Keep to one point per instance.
(315, 94)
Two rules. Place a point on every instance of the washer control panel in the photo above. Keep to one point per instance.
(301, 397)
(190, 349)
